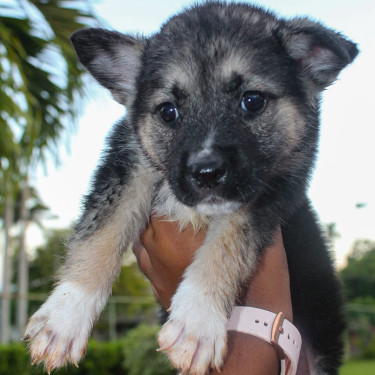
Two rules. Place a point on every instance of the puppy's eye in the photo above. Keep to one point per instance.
(253, 102)
(167, 112)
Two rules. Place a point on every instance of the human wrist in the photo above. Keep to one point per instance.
(269, 289)
(264, 359)
(270, 301)
(274, 329)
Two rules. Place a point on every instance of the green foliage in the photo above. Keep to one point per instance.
(47, 261)
(135, 355)
(359, 281)
(131, 282)
(40, 74)
(13, 360)
(359, 274)
(102, 358)
(369, 350)
(361, 337)
(141, 357)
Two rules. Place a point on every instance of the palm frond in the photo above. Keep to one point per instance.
(39, 71)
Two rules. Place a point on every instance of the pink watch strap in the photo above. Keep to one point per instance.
(273, 328)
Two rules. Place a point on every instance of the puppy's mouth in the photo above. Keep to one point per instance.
(214, 205)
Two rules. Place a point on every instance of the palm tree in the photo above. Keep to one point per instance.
(40, 81)
(8, 165)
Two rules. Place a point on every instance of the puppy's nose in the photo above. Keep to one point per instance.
(208, 171)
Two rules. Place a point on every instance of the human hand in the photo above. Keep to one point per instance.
(163, 255)
(166, 253)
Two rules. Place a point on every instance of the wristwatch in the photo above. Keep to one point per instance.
(274, 329)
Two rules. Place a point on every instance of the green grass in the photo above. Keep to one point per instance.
(360, 367)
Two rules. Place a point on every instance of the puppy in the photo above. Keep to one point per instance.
(221, 131)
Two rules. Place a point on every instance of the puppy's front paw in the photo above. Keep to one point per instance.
(195, 341)
(58, 332)
(52, 346)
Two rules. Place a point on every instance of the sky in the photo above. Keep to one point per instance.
(345, 170)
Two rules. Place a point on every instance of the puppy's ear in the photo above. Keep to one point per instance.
(114, 59)
(320, 52)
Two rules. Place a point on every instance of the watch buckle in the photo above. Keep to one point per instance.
(277, 330)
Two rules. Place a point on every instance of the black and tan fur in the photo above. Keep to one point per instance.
(190, 148)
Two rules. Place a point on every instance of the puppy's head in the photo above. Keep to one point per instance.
(224, 98)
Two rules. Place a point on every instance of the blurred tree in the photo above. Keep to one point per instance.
(359, 281)
(359, 274)
(332, 232)
(48, 258)
(141, 356)
(132, 283)
(40, 81)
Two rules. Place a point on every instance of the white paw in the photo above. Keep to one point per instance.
(195, 338)
(58, 332)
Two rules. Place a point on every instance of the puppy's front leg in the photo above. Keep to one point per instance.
(195, 335)
(58, 332)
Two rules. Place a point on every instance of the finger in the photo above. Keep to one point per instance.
(156, 293)
(143, 259)
(137, 248)
(147, 237)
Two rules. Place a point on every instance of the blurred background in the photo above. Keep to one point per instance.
(53, 122)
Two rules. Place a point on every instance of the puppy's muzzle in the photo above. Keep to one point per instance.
(207, 171)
